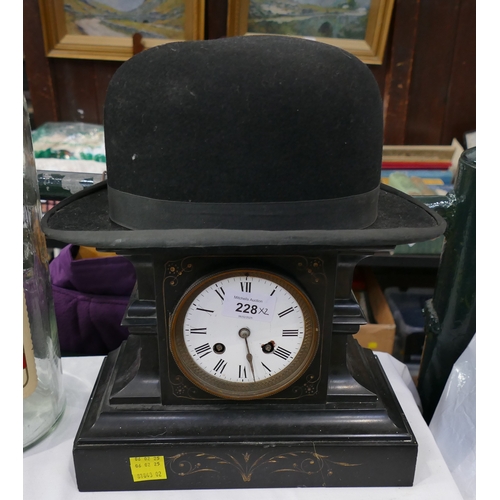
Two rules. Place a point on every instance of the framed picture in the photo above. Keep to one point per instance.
(104, 29)
(358, 26)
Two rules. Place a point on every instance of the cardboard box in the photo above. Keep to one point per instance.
(378, 336)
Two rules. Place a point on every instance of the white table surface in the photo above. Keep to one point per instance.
(49, 473)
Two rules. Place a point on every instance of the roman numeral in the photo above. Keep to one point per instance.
(290, 333)
(205, 310)
(246, 287)
(220, 292)
(203, 350)
(201, 331)
(242, 372)
(282, 353)
(285, 312)
(221, 365)
(266, 367)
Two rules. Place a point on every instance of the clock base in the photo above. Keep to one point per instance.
(350, 442)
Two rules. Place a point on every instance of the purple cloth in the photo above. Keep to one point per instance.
(90, 299)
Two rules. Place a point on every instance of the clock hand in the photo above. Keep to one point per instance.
(250, 359)
(244, 333)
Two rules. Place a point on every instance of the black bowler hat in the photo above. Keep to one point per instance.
(256, 140)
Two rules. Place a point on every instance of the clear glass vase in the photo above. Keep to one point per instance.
(43, 398)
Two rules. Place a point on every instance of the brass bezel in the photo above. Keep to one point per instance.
(244, 390)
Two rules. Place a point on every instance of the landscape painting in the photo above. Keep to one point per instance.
(161, 19)
(343, 19)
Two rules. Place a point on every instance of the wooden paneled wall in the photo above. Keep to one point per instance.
(427, 79)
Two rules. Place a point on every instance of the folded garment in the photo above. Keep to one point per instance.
(91, 294)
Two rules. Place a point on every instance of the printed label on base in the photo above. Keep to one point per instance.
(148, 468)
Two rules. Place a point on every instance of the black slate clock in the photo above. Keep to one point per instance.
(182, 388)
(244, 186)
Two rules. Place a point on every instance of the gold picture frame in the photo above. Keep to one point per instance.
(59, 43)
(370, 50)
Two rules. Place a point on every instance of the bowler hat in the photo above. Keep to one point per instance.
(254, 140)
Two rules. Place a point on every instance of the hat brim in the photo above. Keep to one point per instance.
(82, 219)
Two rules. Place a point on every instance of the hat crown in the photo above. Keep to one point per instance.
(253, 119)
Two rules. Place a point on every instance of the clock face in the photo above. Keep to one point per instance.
(244, 334)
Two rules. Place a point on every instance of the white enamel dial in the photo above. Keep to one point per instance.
(244, 334)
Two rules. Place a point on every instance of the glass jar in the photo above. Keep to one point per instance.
(43, 398)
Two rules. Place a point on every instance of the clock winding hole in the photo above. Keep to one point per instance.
(219, 348)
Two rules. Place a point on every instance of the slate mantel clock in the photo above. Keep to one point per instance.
(244, 186)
